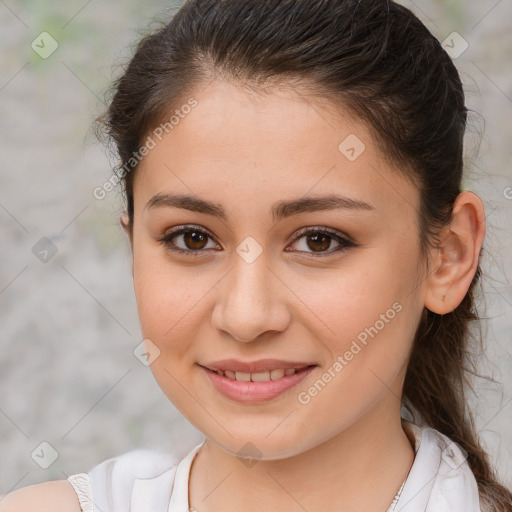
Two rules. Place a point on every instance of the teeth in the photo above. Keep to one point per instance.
(260, 376)
(276, 374)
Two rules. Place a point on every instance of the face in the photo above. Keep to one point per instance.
(297, 245)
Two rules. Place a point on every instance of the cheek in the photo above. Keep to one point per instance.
(164, 305)
(366, 312)
(166, 296)
(170, 300)
(356, 294)
(153, 293)
(371, 317)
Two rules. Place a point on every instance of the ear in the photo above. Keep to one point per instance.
(124, 220)
(455, 260)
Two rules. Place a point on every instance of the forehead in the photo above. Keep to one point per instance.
(236, 146)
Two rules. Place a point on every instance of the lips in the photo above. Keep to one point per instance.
(256, 387)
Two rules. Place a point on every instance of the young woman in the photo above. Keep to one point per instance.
(304, 260)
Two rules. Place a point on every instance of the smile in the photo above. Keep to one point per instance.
(256, 386)
(276, 374)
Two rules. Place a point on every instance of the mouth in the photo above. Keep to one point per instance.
(257, 381)
(262, 370)
(265, 376)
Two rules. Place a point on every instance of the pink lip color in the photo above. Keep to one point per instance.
(255, 392)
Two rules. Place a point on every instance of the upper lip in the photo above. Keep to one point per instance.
(261, 365)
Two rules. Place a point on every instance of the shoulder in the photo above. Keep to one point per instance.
(110, 484)
(54, 496)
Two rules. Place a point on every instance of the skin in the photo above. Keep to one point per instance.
(345, 449)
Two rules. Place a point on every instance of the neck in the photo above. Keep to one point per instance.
(361, 468)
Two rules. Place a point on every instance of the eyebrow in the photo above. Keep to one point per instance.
(279, 210)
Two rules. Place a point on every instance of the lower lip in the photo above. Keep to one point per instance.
(255, 392)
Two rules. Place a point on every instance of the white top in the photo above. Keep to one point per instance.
(440, 480)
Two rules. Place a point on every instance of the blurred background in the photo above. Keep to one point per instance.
(72, 393)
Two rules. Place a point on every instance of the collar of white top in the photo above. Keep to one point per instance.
(179, 495)
(440, 479)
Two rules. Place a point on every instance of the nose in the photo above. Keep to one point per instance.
(251, 301)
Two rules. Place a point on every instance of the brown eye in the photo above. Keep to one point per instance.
(195, 240)
(318, 241)
(187, 240)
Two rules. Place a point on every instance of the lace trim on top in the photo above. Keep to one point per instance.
(396, 498)
(80, 483)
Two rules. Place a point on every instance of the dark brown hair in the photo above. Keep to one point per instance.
(374, 58)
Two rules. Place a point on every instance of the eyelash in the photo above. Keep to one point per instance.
(345, 242)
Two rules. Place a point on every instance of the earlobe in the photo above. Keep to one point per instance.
(124, 220)
(456, 258)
